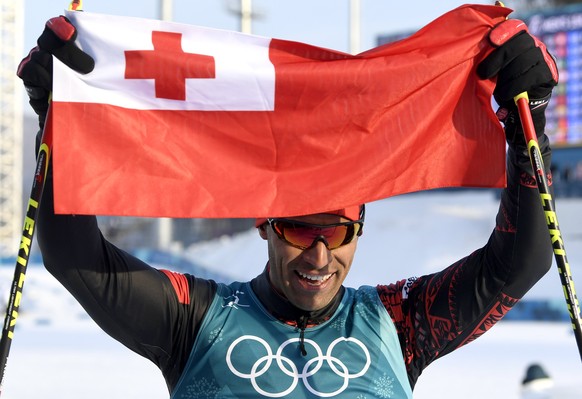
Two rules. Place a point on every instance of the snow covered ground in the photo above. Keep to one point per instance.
(59, 353)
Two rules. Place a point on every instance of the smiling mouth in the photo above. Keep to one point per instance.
(314, 279)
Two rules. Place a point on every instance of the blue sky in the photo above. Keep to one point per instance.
(318, 22)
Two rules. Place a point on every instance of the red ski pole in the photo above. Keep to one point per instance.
(40, 174)
(42, 164)
(535, 156)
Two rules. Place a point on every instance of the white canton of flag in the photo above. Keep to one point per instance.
(244, 77)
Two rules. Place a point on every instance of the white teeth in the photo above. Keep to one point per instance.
(314, 278)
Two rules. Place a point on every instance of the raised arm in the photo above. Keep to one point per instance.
(153, 312)
(438, 313)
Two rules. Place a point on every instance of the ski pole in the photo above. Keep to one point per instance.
(536, 160)
(40, 175)
(42, 164)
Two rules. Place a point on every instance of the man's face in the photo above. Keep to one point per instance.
(308, 278)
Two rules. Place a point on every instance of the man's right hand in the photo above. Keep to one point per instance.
(36, 69)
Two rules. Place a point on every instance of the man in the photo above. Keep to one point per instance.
(295, 330)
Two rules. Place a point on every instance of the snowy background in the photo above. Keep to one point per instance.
(57, 352)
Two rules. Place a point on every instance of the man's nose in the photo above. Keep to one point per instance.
(317, 254)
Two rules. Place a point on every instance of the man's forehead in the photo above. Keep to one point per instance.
(320, 218)
(341, 215)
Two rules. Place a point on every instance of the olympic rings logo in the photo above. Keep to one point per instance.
(287, 366)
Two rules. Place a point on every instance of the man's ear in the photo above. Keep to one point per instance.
(263, 231)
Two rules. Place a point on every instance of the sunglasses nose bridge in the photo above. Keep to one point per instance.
(317, 255)
(317, 239)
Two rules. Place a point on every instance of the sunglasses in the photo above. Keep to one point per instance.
(304, 235)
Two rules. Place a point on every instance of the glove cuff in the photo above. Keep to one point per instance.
(40, 107)
(518, 156)
(510, 118)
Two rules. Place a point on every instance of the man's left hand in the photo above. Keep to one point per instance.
(521, 63)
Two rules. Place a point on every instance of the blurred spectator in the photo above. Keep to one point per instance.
(578, 171)
(566, 174)
(536, 384)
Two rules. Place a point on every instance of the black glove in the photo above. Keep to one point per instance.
(36, 69)
(522, 64)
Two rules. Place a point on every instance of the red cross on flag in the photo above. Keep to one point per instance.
(168, 65)
(184, 121)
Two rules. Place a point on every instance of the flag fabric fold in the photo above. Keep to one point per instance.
(183, 121)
